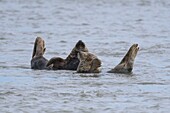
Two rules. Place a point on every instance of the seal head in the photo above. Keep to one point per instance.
(89, 63)
(72, 60)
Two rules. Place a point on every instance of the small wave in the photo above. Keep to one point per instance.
(85, 24)
(9, 67)
(2, 38)
(7, 93)
(105, 52)
(53, 53)
(89, 75)
(63, 41)
(20, 50)
(151, 83)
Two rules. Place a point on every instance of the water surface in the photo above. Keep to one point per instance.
(109, 28)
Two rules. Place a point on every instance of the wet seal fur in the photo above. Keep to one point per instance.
(56, 63)
(71, 62)
(38, 61)
(89, 63)
(126, 65)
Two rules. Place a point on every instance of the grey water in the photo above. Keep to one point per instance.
(109, 28)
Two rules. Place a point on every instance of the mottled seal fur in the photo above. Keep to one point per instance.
(89, 63)
(72, 61)
(38, 61)
(126, 64)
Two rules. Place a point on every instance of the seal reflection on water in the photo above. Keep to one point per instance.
(89, 63)
(71, 62)
(126, 65)
(38, 61)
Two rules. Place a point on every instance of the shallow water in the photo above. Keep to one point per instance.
(109, 28)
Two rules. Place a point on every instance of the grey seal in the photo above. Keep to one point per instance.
(89, 63)
(126, 64)
(38, 61)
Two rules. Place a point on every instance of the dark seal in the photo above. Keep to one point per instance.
(71, 62)
(38, 61)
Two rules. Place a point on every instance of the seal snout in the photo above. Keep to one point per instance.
(137, 46)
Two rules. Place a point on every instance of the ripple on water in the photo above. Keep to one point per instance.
(108, 28)
(7, 93)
